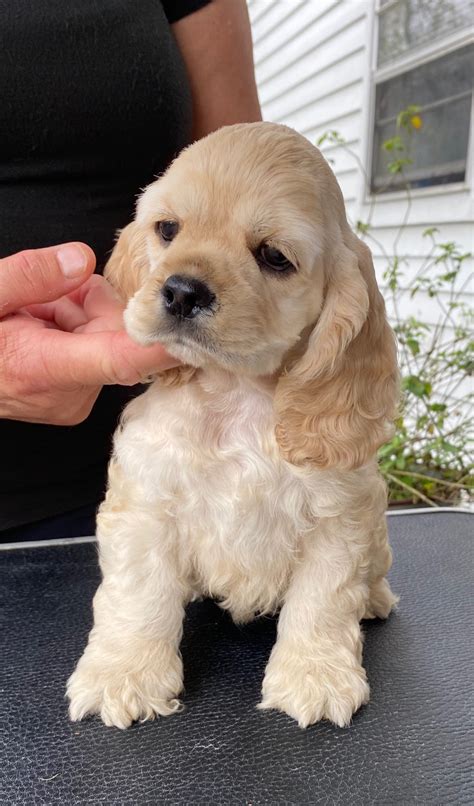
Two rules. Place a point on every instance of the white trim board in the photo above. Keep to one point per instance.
(58, 541)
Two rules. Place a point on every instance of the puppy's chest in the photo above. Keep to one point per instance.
(207, 459)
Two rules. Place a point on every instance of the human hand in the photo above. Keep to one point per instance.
(62, 337)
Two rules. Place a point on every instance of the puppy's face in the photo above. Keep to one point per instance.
(232, 239)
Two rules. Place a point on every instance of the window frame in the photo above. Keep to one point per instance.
(402, 64)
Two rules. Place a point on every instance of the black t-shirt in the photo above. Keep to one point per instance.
(94, 103)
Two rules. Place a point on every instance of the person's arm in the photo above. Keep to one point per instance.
(216, 46)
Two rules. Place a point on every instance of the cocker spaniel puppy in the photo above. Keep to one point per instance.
(249, 473)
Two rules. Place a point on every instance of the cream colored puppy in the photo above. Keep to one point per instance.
(249, 474)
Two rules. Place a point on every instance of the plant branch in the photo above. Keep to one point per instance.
(412, 490)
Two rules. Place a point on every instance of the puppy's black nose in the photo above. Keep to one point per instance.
(185, 296)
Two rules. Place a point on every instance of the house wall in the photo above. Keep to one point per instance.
(313, 62)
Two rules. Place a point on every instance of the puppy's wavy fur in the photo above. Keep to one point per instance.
(248, 474)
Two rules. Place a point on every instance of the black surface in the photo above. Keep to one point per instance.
(411, 745)
(76, 523)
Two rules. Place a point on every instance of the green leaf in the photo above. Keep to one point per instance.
(448, 446)
(362, 227)
(416, 386)
(397, 166)
(413, 345)
(393, 144)
(438, 407)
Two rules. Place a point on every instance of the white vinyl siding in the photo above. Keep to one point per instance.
(314, 64)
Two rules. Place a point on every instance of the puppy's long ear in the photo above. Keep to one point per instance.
(335, 405)
(126, 267)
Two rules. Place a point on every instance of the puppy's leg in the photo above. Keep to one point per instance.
(315, 670)
(131, 668)
(381, 599)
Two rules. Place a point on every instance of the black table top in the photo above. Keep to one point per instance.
(411, 745)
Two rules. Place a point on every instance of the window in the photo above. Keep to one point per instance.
(440, 86)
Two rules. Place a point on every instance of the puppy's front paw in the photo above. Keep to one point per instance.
(124, 689)
(310, 689)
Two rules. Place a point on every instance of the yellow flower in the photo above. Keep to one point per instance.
(416, 121)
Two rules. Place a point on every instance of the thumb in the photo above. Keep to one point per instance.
(43, 275)
(95, 359)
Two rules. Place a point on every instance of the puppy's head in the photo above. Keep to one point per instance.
(224, 260)
(240, 256)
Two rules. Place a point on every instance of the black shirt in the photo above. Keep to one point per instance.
(94, 103)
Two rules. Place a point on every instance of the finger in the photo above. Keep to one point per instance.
(95, 306)
(43, 275)
(92, 359)
(47, 310)
(63, 313)
(130, 362)
(103, 308)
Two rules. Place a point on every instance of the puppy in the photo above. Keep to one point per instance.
(248, 474)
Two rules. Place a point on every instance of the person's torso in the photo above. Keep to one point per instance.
(94, 103)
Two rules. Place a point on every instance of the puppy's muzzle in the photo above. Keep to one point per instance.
(185, 297)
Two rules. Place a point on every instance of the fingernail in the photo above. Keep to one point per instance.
(72, 260)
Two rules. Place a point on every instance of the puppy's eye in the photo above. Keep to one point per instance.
(167, 230)
(270, 258)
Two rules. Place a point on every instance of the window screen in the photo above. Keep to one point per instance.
(405, 25)
(442, 89)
